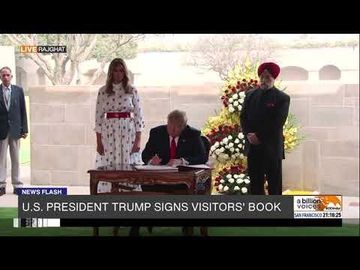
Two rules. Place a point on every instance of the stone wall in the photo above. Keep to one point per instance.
(62, 121)
(328, 159)
(63, 140)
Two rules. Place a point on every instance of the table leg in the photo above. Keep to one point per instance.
(206, 191)
(204, 231)
(93, 185)
(115, 231)
(93, 191)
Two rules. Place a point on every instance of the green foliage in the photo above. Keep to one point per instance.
(122, 45)
(246, 70)
(243, 71)
(110, 46)
(291, 133)
(65, 68)
(221, 53)
(224, 118)
(4, 41)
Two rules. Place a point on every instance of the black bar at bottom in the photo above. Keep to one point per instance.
(202, 222)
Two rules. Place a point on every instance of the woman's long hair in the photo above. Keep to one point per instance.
(109, 80)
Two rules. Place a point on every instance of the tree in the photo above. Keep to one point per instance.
(64, 68)
(222, 52)
(111, 46)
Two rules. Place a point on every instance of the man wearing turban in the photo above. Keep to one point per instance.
(262, 118)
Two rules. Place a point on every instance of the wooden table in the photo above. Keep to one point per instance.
(197, 181)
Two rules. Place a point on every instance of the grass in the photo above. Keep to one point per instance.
(7, 214)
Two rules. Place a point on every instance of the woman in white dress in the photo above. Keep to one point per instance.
(119, 118)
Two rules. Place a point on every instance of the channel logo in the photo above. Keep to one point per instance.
(318, 206)
(24, 49)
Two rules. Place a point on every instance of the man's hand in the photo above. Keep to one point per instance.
(155, 160)
(175, 162)
(253, 139)
(24, 135)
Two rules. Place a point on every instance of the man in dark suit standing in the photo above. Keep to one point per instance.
(13, 126)
(262, 117)
(175, 143)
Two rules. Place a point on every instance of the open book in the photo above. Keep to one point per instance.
(198, 166)
(155, 168)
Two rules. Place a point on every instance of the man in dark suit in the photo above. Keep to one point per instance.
(13, 126)
(262, 117)
(175, 143)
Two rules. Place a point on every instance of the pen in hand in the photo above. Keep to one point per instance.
(156, 160)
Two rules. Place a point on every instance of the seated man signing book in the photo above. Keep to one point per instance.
(175, 143)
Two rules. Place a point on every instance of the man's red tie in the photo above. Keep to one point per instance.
(173, 149)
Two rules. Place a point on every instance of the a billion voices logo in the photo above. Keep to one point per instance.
(318, 206)
(42, 49)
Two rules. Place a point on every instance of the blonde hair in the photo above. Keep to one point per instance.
(178, 117)
(109, 80)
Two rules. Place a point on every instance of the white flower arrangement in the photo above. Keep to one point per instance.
(236, 102)
(233, 181)
(229, 148)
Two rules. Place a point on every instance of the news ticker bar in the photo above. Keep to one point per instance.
(47, 223)
(180, 207)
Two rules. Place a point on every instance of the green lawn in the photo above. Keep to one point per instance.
(7, 214)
